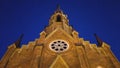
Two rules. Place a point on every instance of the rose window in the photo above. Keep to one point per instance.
(59, 46)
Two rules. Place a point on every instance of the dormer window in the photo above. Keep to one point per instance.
(58, 19)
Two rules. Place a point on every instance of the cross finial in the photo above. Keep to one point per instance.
(58, 9)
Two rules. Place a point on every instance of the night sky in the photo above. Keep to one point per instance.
(86, 16)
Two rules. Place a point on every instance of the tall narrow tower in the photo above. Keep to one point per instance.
(59, 46)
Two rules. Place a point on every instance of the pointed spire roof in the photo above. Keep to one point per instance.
(99, 41)
(17, 42)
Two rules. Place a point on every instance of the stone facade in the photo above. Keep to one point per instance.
(59, 46)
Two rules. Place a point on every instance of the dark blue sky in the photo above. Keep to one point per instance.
(86, 16)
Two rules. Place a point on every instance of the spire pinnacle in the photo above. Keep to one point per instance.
(17, 42)
(99, 41)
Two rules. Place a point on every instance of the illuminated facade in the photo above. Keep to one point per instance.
(59, 46)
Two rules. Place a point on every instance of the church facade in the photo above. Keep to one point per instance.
(59, 46)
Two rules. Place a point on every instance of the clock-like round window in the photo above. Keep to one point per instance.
(59, 46)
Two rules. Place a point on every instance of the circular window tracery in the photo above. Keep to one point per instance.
(59, 45)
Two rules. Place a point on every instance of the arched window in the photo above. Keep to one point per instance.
(58, 18)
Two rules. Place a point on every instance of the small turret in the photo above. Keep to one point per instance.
(58, 17)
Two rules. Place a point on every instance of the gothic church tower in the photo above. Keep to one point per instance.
(59, 46)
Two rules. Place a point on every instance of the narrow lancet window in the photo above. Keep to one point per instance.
(58, 18)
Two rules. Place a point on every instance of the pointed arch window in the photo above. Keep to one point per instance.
(58, 19)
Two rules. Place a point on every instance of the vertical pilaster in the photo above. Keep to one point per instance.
(5, 59)
(82, 57)
(111, 56)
